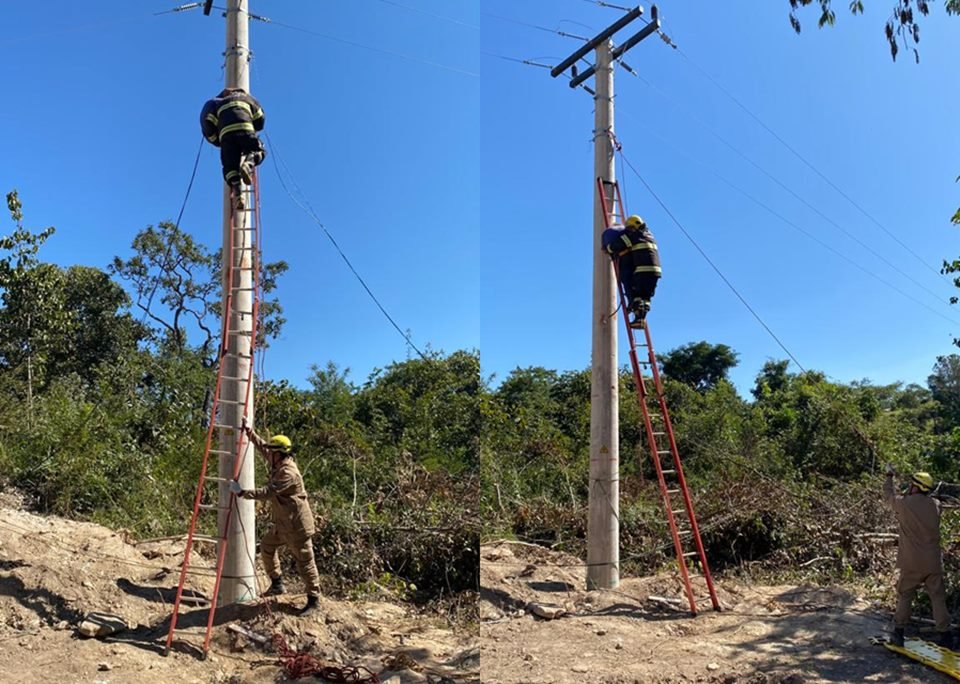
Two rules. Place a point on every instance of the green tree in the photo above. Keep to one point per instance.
(699, 364)
(176, 283)
(944, 384)
(902, 25)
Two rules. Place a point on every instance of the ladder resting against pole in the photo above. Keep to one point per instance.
(656, 423)
(245, 220)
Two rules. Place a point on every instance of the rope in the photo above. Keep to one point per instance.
(298, 664)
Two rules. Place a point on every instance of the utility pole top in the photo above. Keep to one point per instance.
(604, 35)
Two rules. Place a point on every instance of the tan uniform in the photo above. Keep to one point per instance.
(291, 523)
(918, 554)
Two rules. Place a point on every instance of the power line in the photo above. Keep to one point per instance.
(808, 234)
(535, 26)
(803, 159)
(183, 206)
(430, 14)
(521, 61)
(790, 190)
(305, 206)
(384, 51)
(709, 261)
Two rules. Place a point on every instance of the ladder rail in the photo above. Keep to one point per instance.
(232, 269)
(678, 466)
(654, 451)
(612, 206)
(241, 438)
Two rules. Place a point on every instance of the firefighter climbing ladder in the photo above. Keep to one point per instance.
(656, 422)
(246, 223)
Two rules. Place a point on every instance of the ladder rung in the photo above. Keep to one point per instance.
(240, 332)
(238, 355)
(216, 479)
(679, 511)
(673, 491)
(211, 507)
(690, 554)
(206, 538)
(664, 451)
(669, 471)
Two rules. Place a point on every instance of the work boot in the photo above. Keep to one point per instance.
(313, 602)
(897, 638)
(276, 587)
(246, 171)
(239, 202)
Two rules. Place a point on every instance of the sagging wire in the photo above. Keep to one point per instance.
(305, 206)
(619, 149)
(183, 206)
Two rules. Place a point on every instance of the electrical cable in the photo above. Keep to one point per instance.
(535, 26)
(708, 260)
(803, 159)
(183, 206)
(514, 59)
(305, 206)
(384, 51)
(790, 190)
(430, 14)
(830, 248)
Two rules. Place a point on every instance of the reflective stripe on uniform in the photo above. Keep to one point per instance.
(232, 174)
(647, 269)
(233, 128)
(211, 138)
(235, 103)
(212, 118)
(258, 114)
(644, 245)
(626, 240)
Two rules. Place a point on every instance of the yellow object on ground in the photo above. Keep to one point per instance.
(936, 657)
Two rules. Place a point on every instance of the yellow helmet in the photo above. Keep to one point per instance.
(280, 443)
(634, 221)
(923, 481)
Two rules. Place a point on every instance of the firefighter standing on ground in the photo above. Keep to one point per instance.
(638, 263)
(230, 121)
(291, 517)
(918, 553)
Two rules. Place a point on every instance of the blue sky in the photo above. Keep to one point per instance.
(884, 132)
(101, 129)
(460, 184)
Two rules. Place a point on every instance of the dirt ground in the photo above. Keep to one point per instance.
(763, 635)
(54, 571)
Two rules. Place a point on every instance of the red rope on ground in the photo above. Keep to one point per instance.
(297, 665)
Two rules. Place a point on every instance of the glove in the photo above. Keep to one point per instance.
(888, 470)
(235, 487)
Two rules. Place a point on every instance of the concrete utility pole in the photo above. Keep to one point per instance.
(603, 527)
(239, 580)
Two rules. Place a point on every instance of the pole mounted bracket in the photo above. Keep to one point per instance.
(618, 52)
(207, 6)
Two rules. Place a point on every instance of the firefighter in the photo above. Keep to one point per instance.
(231, 121)
(638, 263)
(291, 517)
(918, 554)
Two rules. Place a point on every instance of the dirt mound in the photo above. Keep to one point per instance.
(643, 631)
(54, 571)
